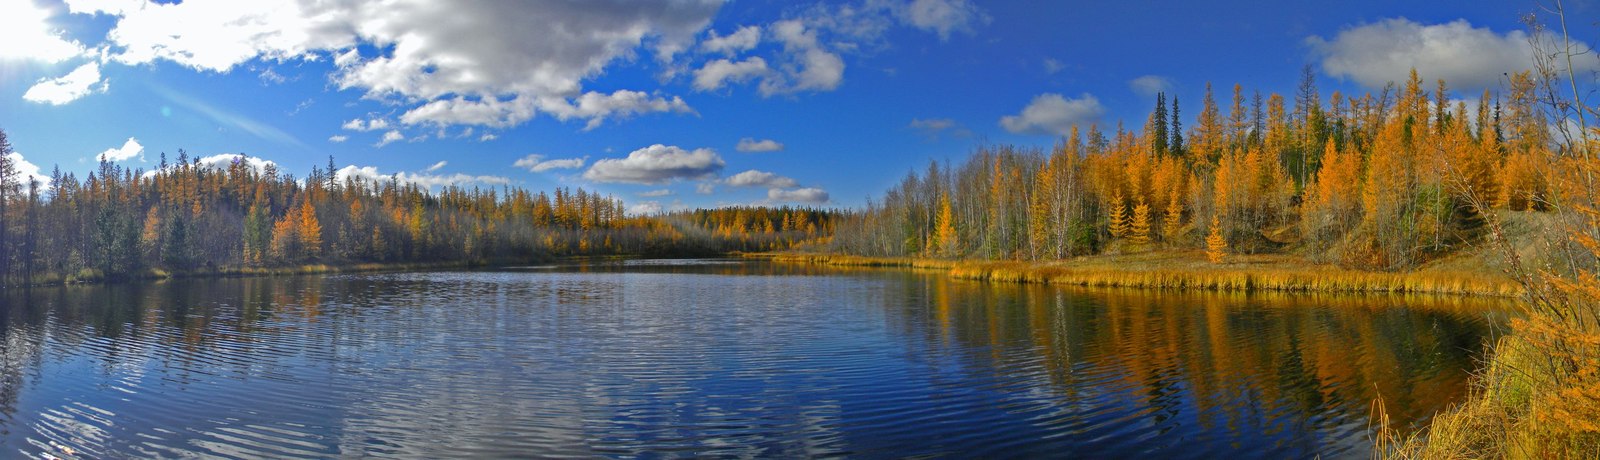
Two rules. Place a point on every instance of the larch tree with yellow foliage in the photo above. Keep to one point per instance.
(1216, 244)
(1117, 217)
(1172, 219)
(1139, 228)
(944, 242)
(285, 244)
(1331, 205)
(310, 230)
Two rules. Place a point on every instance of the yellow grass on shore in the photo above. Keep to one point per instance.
(1191, 270)
(94, 276)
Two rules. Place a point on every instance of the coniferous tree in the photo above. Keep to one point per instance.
(1139, 228)
(1117, 217)
(1175, 144)
(944, 237)
(1158, 127)
(1216, 245)
(8, 188)
(1172, 220)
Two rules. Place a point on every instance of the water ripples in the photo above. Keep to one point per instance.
(706, 359)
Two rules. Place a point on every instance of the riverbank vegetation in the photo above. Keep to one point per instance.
(1381, 181)
(244, 216)
(1191, 270)
(1404, 190)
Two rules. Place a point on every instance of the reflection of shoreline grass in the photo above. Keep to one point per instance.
(94, 276)
(91, 276)
(1538, 395)
(1190, 270)
(1527, 402)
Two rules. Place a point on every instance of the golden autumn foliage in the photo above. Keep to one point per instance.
(1118, 218)
(241, 216)
(1374, 181)
(1539, 393)
(1172, 218)
(1139, 227)
(1332, 204)
(1216, 245)
(944, 237)
(310, 230)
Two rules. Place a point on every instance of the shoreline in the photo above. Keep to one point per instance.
(1189, 270)
(90, 277)
(1160, 270)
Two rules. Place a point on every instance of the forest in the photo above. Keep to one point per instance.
(1383, 181)
(193, 217)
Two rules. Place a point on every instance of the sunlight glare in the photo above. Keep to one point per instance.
(26, 32)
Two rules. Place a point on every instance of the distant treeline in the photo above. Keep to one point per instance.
(192, 217)
(1379, 181)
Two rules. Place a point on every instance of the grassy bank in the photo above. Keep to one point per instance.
(88, 276)
(1538, 396)
(91, 276)
(1191, 270)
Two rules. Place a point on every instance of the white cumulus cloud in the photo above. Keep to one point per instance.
(809, 195)
(337, 138)
(751, 145)
(933, 128)
(112, 7)
(656, 193)
(1053, 66)
(592, 106)
(645, 208)
(822, 72)
(1150, 85)
(807, 65)
(436, 166)
(597, 107)
(216, 36)
(389, 138)
(127, 151)
(222, 161)
(657, 164)
(425, 180)
(27, 34)
(1052, 114)
(944, 16)
(932, 125)
(755, 178)
(713, 75)
(27, 170)
(370, 124)
(1464, 56)
(537, 163)
(744, 39)
(463, 62)
(83, 81)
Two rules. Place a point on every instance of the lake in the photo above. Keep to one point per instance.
(714, 358)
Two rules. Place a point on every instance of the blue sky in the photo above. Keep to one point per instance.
(651, 101)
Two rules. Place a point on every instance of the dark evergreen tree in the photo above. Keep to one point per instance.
(1175, 145)
(1158, 126)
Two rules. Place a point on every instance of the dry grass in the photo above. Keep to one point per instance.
(1520, 407)
(1191, 270)
(89, 275)
(1538, 395)
(855, 261)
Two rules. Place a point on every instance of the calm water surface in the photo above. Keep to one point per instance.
(712, 358)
